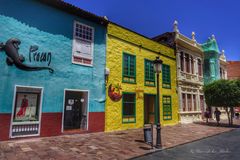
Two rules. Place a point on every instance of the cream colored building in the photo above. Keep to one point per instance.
(223, 65)
(190, 57)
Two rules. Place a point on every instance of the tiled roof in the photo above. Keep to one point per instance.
(69, 8)
(167, 38)
(233, 69)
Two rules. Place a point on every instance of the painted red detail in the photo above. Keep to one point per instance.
(96, 122)
(51, 124)
(115, 95)
(23, 108)
(5, 121)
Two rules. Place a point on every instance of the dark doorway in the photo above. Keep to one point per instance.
(149, 108)
(75, 110)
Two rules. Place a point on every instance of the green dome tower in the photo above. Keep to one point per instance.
(211, 60)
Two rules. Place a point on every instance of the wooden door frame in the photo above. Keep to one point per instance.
(155, 103)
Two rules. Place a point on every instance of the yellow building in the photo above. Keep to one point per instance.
(131, 84)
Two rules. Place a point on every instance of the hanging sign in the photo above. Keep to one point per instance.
(114, 92)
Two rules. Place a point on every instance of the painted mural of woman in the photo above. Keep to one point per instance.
(23, 107)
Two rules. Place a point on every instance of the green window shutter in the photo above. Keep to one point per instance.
(167, 107)
(129, 68)
(149, 73)
(129, 108)
(166, 76)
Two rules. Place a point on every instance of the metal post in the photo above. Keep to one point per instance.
(158, 140)
(152, 134)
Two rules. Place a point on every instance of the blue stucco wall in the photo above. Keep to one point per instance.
(52, 30)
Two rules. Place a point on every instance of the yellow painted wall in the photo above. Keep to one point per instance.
(121, 40)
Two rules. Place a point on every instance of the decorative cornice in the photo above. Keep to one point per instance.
(188, 43)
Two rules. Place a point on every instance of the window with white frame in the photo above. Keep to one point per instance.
(83, 41)
(26, 111)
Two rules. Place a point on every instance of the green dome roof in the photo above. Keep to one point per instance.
(210, 45)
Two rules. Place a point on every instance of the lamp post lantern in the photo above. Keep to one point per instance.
(158, 69)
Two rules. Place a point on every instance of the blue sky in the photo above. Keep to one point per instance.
(154, 17)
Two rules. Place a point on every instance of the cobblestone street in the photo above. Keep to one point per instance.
(222, 146)
(113, 145)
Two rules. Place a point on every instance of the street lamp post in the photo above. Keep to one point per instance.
(158, 68)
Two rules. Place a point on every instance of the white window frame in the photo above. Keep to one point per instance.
(63, 111)
(20, 123)
(74, 43)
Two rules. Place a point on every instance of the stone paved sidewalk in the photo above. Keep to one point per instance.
(113, 145)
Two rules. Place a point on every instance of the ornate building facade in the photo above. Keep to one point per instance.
(190, 58)
(223, 66)
(215, 64)
(211, 60)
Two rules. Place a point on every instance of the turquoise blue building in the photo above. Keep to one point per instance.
(211, 68)
(215, 66)
(52, 61)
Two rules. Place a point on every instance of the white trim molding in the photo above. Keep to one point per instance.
(78, 38)
(26, 123)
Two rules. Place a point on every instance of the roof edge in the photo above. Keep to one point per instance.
(137, 33)
(74, 10)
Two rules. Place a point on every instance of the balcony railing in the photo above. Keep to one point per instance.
(190, 77)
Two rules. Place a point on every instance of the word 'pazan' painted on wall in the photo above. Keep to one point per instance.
(39, 56)
(11, 48)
